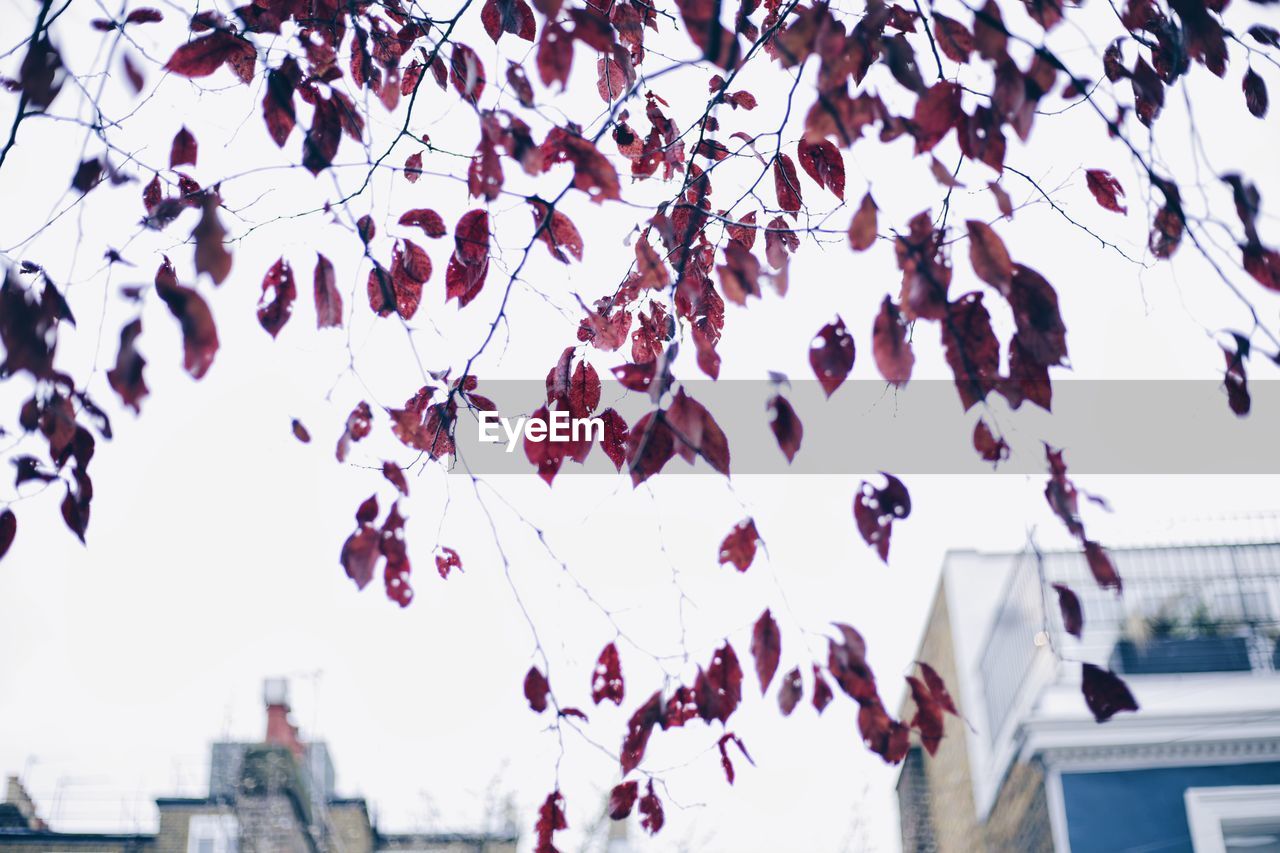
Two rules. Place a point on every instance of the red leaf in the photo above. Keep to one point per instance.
(300, 432)
(555, 55)
(466, 72)
(786, 426)
(1072, 614)
(606, 681)
(1235, 379)
(622, 798)
(426, 219)
(8, 530)
(559, 235)
(551, 819)
(639, 727)
(779, 241)
(862, 230)
(928, 718)
(786, 184)
(875, 510)
(126, 377)
(1104, 572)
(277, 103)
(1263, 265)
(766, 648)
(823, 163)
(790, 692)
(471, 238)
(651, 817)
(412, 167)
(205, 55)
(199, 334)
(1003, 203)
(357, 427)
(614, 443)
(739, 547)
(536, 689)
(938, 688)
(395, 476)
(650, 445)
(723, 744)
(144, 15)
(1104, 693)
(360, 554)
(831, 355)
(695, 433)
(937, 111)
(211, 255)
(183, 150)
(988, 255)
(988, 446)
(889, 344)
(278, 282)
(954, 39)
(971, 348)
(1255, 93)
(821, 691)
(446, 561)
(1106, 190)
(328, 299)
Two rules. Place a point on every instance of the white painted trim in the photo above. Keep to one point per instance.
(1207, 808)
(1057, 810)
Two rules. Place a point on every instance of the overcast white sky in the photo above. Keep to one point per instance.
(212, 558)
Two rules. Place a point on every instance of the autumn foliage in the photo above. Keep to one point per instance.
(974, 81)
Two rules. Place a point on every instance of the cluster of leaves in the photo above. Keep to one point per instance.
(688, 257)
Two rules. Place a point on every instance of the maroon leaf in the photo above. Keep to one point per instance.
(183, 150)
(831, 355)
(938, 689)
(1235, 378)
(300, 431)
(639, 727)
(1104, 572)
(971, 349)
(821, 691)
(766, 648)
(889, 344)
(875, 510)
(1106, 189)
(622, 798)
(126, 377)
(357, 427)
(205, 55)
(536, 689)
(862, 229)
(559, 235)
(1255, 93)
(790, 692)
(394, 475)
(823, 163)
(954, 39)
(739, 547)
(786, 184)
(466, 72)
(1072, 614)
(278, 292)
(606, 681)
(988, 255)
(328, 299)
(426, 219)
(446, 561)
(551, 819)
(1104, 693)
(199, 334)
(651, 817)
(8, 530)
(723, 744)
(718, 689)
(786, 426)
(211, 254)
(990, 448)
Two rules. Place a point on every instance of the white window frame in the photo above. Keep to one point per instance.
(1207, 808)
(222, 829)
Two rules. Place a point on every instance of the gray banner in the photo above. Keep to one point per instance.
(1106, 427)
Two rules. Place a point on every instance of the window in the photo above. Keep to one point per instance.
(1242, 819)
(213, 833)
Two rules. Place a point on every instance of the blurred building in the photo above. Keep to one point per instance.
(272, 796)
(1196, 770)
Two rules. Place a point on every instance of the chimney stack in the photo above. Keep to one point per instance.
(16, 795)
(280, 730)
